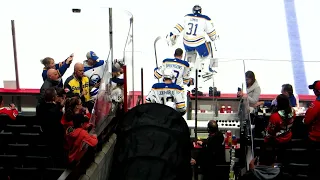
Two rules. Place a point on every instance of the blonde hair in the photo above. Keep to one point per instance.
(46, 61)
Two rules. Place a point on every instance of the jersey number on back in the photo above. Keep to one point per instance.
(192, 29)
(167, 99)
(177, 75)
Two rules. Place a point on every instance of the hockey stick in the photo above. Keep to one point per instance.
(155, 51)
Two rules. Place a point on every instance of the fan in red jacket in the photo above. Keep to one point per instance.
(312, 117)
(77, 138)
(10, 111)
(312, 120)
(280, 122)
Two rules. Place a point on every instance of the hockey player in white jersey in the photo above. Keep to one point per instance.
(179, 67)
(168, 93)
(196, 26)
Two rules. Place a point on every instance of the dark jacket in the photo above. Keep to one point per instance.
(46, 84)
(49, 115)
(265, 173)
(61, 67)
(212, 154)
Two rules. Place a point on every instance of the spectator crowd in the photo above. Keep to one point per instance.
(64, 108)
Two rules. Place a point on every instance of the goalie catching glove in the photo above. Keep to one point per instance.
(171, 39)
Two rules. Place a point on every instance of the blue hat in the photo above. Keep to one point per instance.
(92, 55)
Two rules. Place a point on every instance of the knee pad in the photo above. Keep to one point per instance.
(191, 56)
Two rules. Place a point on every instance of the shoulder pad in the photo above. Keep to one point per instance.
(176, 61)
(158, 85)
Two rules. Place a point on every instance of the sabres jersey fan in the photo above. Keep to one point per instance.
(167, 93)
(93, 66)
(195, 26)
(180, 68)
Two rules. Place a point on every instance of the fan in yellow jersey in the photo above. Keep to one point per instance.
(78, 85)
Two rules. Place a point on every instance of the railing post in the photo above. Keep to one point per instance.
(125, 89)
(13, 31)
(142, 87)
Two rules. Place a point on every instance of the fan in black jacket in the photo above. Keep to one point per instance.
(49, 114)
(213, 152)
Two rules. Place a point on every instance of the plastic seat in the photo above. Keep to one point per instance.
(298, 169)
(18, 149)
(26, 173)
(3, 173)
(9, 161)
(298, 143)
(37, 161)
(52, 173)
(28, 119)
(29, 138)
(22, 128)
(38, 150)
(4, 119)
(297, 155)
(6, 138)
(15, 128)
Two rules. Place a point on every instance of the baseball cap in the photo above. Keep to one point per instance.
(92, 55)
(315, 85)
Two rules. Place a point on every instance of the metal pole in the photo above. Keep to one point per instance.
(13, 30)
(125, 89)
(131, 21)
(196, 109)
(111, 36)
(142, 91)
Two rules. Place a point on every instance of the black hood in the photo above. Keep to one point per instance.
(266, 172)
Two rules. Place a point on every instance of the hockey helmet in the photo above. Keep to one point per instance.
(196, 9)
(168, 74)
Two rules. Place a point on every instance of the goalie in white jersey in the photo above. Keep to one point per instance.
(180, 68)
(196, 26)
(168, 93)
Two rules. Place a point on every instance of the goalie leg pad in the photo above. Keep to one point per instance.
(191, 57)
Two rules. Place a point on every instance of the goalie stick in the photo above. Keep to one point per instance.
(155, 50)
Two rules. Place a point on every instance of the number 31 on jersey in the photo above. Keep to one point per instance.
(192, 29)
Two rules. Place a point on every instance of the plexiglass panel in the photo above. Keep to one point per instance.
(57, 36)
(6, 51)
(271, 74)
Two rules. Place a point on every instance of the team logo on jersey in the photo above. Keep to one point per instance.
(311, 105)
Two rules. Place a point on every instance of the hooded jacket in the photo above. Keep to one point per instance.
(77, 138)
(262, 172)
(253, 93)
(279, 127)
